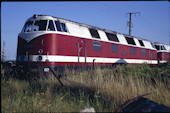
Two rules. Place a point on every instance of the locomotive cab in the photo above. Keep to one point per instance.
(163, 52)
(31, 41)
(38, 41)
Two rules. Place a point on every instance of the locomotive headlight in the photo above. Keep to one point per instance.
(39, 58)
(35, 16)
(40, 51)
(46, 69)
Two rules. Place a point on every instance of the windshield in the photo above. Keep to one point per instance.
(40, 25)
(157, 47)
(27, 26)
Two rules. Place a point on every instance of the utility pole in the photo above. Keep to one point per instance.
(3, 57)
(130, 21)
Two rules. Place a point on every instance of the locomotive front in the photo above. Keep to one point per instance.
(36, 42)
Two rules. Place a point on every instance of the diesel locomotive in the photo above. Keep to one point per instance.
(46, 41)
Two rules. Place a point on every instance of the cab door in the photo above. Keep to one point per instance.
(82, 50)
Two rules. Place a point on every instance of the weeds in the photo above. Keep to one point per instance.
(105, 89)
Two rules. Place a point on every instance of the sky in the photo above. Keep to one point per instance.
(153, 22)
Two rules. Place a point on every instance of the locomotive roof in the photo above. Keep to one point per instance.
(158, 43)
(90, 26)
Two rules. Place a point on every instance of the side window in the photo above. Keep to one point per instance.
(132, 50)
(163, 48)
(61, 26)
(64, 27)
(51, 26)
(141, 43)
(130, 41)
(114, 48)
(112, 37)
(96, 46)
(57, 23)
(40, 25)
(143, 51)
(94, 33)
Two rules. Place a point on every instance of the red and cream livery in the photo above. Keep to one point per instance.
(50, 41)
(163, 52)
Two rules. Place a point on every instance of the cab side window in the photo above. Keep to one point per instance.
(61, 26)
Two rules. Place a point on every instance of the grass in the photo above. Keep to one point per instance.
(104, 89)
(47, 96)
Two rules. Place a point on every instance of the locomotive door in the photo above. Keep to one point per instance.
(81, 50)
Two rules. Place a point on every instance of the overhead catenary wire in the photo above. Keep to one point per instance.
(151, 28)
(101, 11)
(100, 8)
(145, 20)
(108, 9)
